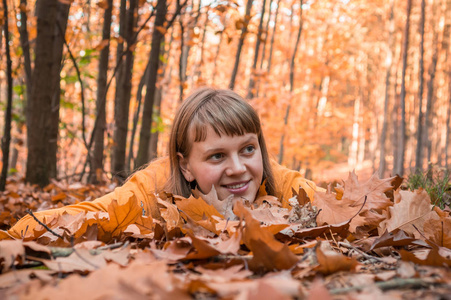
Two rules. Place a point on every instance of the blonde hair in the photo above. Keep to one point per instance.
(227, 113)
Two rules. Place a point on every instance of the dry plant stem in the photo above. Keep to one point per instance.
(397, 283)
(64, 252)
(45, 226)
(367, 256)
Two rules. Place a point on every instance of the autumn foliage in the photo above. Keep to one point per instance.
(368, 238)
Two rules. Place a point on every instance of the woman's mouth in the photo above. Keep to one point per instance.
(237, 187)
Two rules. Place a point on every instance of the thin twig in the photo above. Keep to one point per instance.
(385, 285)
(45, 226)
(366, 255)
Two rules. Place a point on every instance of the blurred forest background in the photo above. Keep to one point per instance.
(88, 89)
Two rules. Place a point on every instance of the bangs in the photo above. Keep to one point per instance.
(226, 117)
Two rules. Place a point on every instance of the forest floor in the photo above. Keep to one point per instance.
(370, 239)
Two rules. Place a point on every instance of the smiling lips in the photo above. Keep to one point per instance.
(237, 188)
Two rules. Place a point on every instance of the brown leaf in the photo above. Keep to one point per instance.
(433, 258)
(199, 212)
(9, 251)
(120, 216)
(330, 261)
(413, 209)
(268, 253)
(80, 260)
(223, 275)
(203, 249)
(439, 231)
(300, 232)
(169, 213)
(368, 198)
(396, 238)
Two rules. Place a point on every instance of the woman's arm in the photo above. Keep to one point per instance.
(143, 184)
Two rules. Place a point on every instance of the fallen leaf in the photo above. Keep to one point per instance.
(433, 258)
(268, 253)
(396, 238)
(330, 261)
(413, 210)
(9, 252)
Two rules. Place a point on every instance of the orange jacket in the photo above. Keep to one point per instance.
(149, 181)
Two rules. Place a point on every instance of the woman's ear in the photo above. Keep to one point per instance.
(184, 167)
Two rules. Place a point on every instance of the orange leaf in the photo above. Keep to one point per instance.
(268, 253)
(331, 261)
(58, 197)
(412, 210)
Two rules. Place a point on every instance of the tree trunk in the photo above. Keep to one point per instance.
(445, 44)
(273, 37)
(97, 157)
(25, 44)
(250, 90)
(122, 105)
(265, 40)
(6, 140)
(399, 159)
(157, 37)
(292, 68)
(218, 50)
(202, 47)
(58, 45)
(419, 152)
(39, 105)
(430, 96)
(153, 144)
(247, 18)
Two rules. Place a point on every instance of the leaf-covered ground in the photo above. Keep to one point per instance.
(362, 240)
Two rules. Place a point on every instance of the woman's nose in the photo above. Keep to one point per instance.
(236, 166)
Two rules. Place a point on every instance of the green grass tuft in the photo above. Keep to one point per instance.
(435, 181)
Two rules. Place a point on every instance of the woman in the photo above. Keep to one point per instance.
(216, 143)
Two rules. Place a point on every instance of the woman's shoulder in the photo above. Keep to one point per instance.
(287, 179)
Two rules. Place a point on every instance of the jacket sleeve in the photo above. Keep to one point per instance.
(286, 180)
(143, 184)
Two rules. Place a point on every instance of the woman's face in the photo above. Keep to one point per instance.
(232, 164)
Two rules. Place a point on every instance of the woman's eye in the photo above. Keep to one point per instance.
(216, 156)
(249, 149)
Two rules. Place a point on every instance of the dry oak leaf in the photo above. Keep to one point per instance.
(202, 247)
(330, 261)
(170, 214)
(282, 283)
(174, 250)
(223, 275)
(367, 199)
(412, 210)
(439, 231)
(197, 211)
(433, 258)
(80, 260)
(140, 280)
(9, 251)
(396, 238)
(268, 253)
(224, 207)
